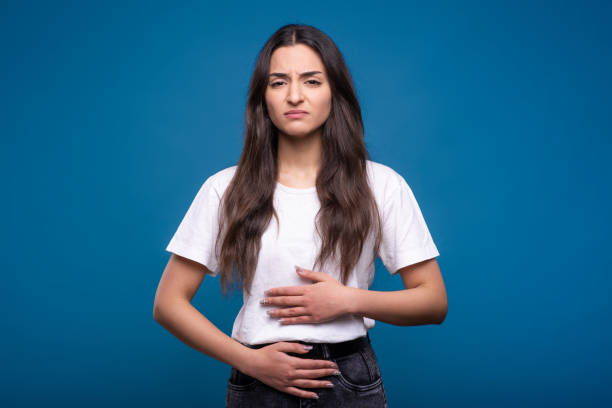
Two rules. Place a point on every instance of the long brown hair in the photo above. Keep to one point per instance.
(348, 210)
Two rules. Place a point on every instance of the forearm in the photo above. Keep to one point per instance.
(408, 307)
(194, 329)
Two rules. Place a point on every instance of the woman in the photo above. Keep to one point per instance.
(303, 194)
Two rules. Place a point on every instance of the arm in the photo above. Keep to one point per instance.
(271, 364)
(423, 301)
(173, 310)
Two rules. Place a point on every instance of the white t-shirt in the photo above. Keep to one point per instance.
(406, 240)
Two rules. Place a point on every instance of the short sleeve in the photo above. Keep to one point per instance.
(406, 238)
(196, 235)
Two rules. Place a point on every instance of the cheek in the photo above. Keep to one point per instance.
(324, 104)
(271, 105)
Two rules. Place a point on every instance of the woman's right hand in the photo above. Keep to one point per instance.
(272, 366)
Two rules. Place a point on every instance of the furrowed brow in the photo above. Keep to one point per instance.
(303, 74)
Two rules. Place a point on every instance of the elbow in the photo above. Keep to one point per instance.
(160, 304)
(156, 312)
(442, 311)
(164, 310)
(441, 316)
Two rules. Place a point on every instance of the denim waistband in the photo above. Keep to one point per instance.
(326, 350)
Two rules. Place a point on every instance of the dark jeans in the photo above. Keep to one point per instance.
(358, 385)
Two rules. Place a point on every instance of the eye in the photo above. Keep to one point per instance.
(315, 81)
(274, 84)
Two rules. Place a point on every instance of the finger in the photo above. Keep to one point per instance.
(288, 312)
(292, 347)
(312, 383)
(285, 290)
(282, 300)
(316, 276)
(314, 373)
(311, 364)
(300, 269)
(312, 275)
(301, 393)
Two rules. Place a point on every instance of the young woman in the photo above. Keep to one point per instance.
(303, 194)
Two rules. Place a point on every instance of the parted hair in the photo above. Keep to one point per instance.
(348, 212)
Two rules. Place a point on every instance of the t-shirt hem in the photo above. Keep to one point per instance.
(305, 339)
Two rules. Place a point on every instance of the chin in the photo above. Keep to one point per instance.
(300, 132)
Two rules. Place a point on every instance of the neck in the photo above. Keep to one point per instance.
(299, 157)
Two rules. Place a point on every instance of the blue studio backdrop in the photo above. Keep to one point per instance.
(497, 114)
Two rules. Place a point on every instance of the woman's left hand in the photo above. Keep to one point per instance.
(322, 301)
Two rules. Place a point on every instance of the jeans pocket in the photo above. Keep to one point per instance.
(240, 381)
(359, 370)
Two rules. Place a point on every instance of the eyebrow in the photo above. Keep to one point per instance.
(303, 74)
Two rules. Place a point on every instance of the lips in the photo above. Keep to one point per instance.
(295, 111)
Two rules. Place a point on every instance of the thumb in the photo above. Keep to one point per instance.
(300, 270)
(293, 347)
(304, 272)
(312, 275)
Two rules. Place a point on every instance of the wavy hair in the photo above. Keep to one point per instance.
(348, 211)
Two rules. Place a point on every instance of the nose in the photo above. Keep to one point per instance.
(295, 93)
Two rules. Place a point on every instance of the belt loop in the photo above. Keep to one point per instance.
(325, 351)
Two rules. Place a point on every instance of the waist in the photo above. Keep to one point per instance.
(326, 350)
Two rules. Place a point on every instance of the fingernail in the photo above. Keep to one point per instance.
(307, 347)
(329, 385)
(297, 268)
(316, 396)
(336, 372)
(263, 301)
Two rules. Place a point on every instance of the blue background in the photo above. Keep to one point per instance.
(496, 113)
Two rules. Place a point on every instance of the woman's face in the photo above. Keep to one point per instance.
(297, 81)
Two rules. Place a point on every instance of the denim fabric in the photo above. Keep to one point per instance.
(359, 384)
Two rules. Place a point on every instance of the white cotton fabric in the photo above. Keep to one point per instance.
(406, 240)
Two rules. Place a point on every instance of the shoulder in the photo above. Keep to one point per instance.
(384, 180)
(218, 181)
